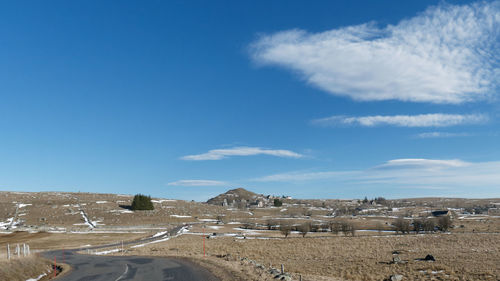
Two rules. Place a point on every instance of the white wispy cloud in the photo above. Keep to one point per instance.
(420, 163)
(429, 135)
(421, 120)
(197, 183)
(218, 154)
(447, 54)
(455, 175)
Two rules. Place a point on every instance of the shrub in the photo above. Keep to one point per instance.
(142, 202)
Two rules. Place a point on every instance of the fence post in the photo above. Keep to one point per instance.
(24, 249)
(300, 277)
(8, 251)
(18, 251)
(282, 269)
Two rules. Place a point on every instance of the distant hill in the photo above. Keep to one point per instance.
(234, 196)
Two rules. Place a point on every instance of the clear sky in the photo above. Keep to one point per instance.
(313, 99)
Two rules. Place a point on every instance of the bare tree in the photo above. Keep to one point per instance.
(271, 224)
(402, 225)
(347, 228)
(444, 223)
(335, 227)
(285, 228)
(418, 225)
(428, 225)
(304, 228)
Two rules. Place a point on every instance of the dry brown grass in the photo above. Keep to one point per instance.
(458, 256)
(47, 241)
(23, 268)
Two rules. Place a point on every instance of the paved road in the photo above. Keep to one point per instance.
(118, 268)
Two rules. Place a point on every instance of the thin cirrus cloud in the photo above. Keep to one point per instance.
(421, 120)
(453, 175)
(433, 135)
(218, 154)
(197, 183)
(447, 54)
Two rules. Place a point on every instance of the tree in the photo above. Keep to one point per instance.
(347, 228)
(444, 223)
(335, 227)
(285, 229)
(304, 228)
(402, 225)
(142, 202)
(429, 225)
(277, 203)
(418, 225)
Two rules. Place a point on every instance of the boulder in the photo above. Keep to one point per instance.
(396, 259)
(429, 258)
(396, 277)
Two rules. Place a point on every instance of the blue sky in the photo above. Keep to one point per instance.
(186, 99)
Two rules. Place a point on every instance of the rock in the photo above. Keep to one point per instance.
(429, 258)
(396, 277)
(396, 259)
(274, 271)
(284, 276)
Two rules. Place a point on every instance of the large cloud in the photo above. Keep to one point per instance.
(447, 54)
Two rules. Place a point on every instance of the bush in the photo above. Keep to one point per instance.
(142, 202)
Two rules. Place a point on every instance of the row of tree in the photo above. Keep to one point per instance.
(403, 225)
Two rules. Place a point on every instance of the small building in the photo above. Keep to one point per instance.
(440, 213)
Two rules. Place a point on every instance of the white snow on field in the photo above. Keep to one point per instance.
(248, 231)
(101, 202)
(21, 205)
(214, 227)
(160, 233)
(38, 278)
(121, 211)
(208, 220)
(234, 222)
(88, 222)
(7, 223)
(152, 242)
(283, 210)
(163, 200)
(179, 216)
(107, 252)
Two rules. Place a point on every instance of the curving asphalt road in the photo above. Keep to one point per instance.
(118, 268)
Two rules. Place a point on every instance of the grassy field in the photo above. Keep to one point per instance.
(458, 256)
(23, 269)
(46, 241)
